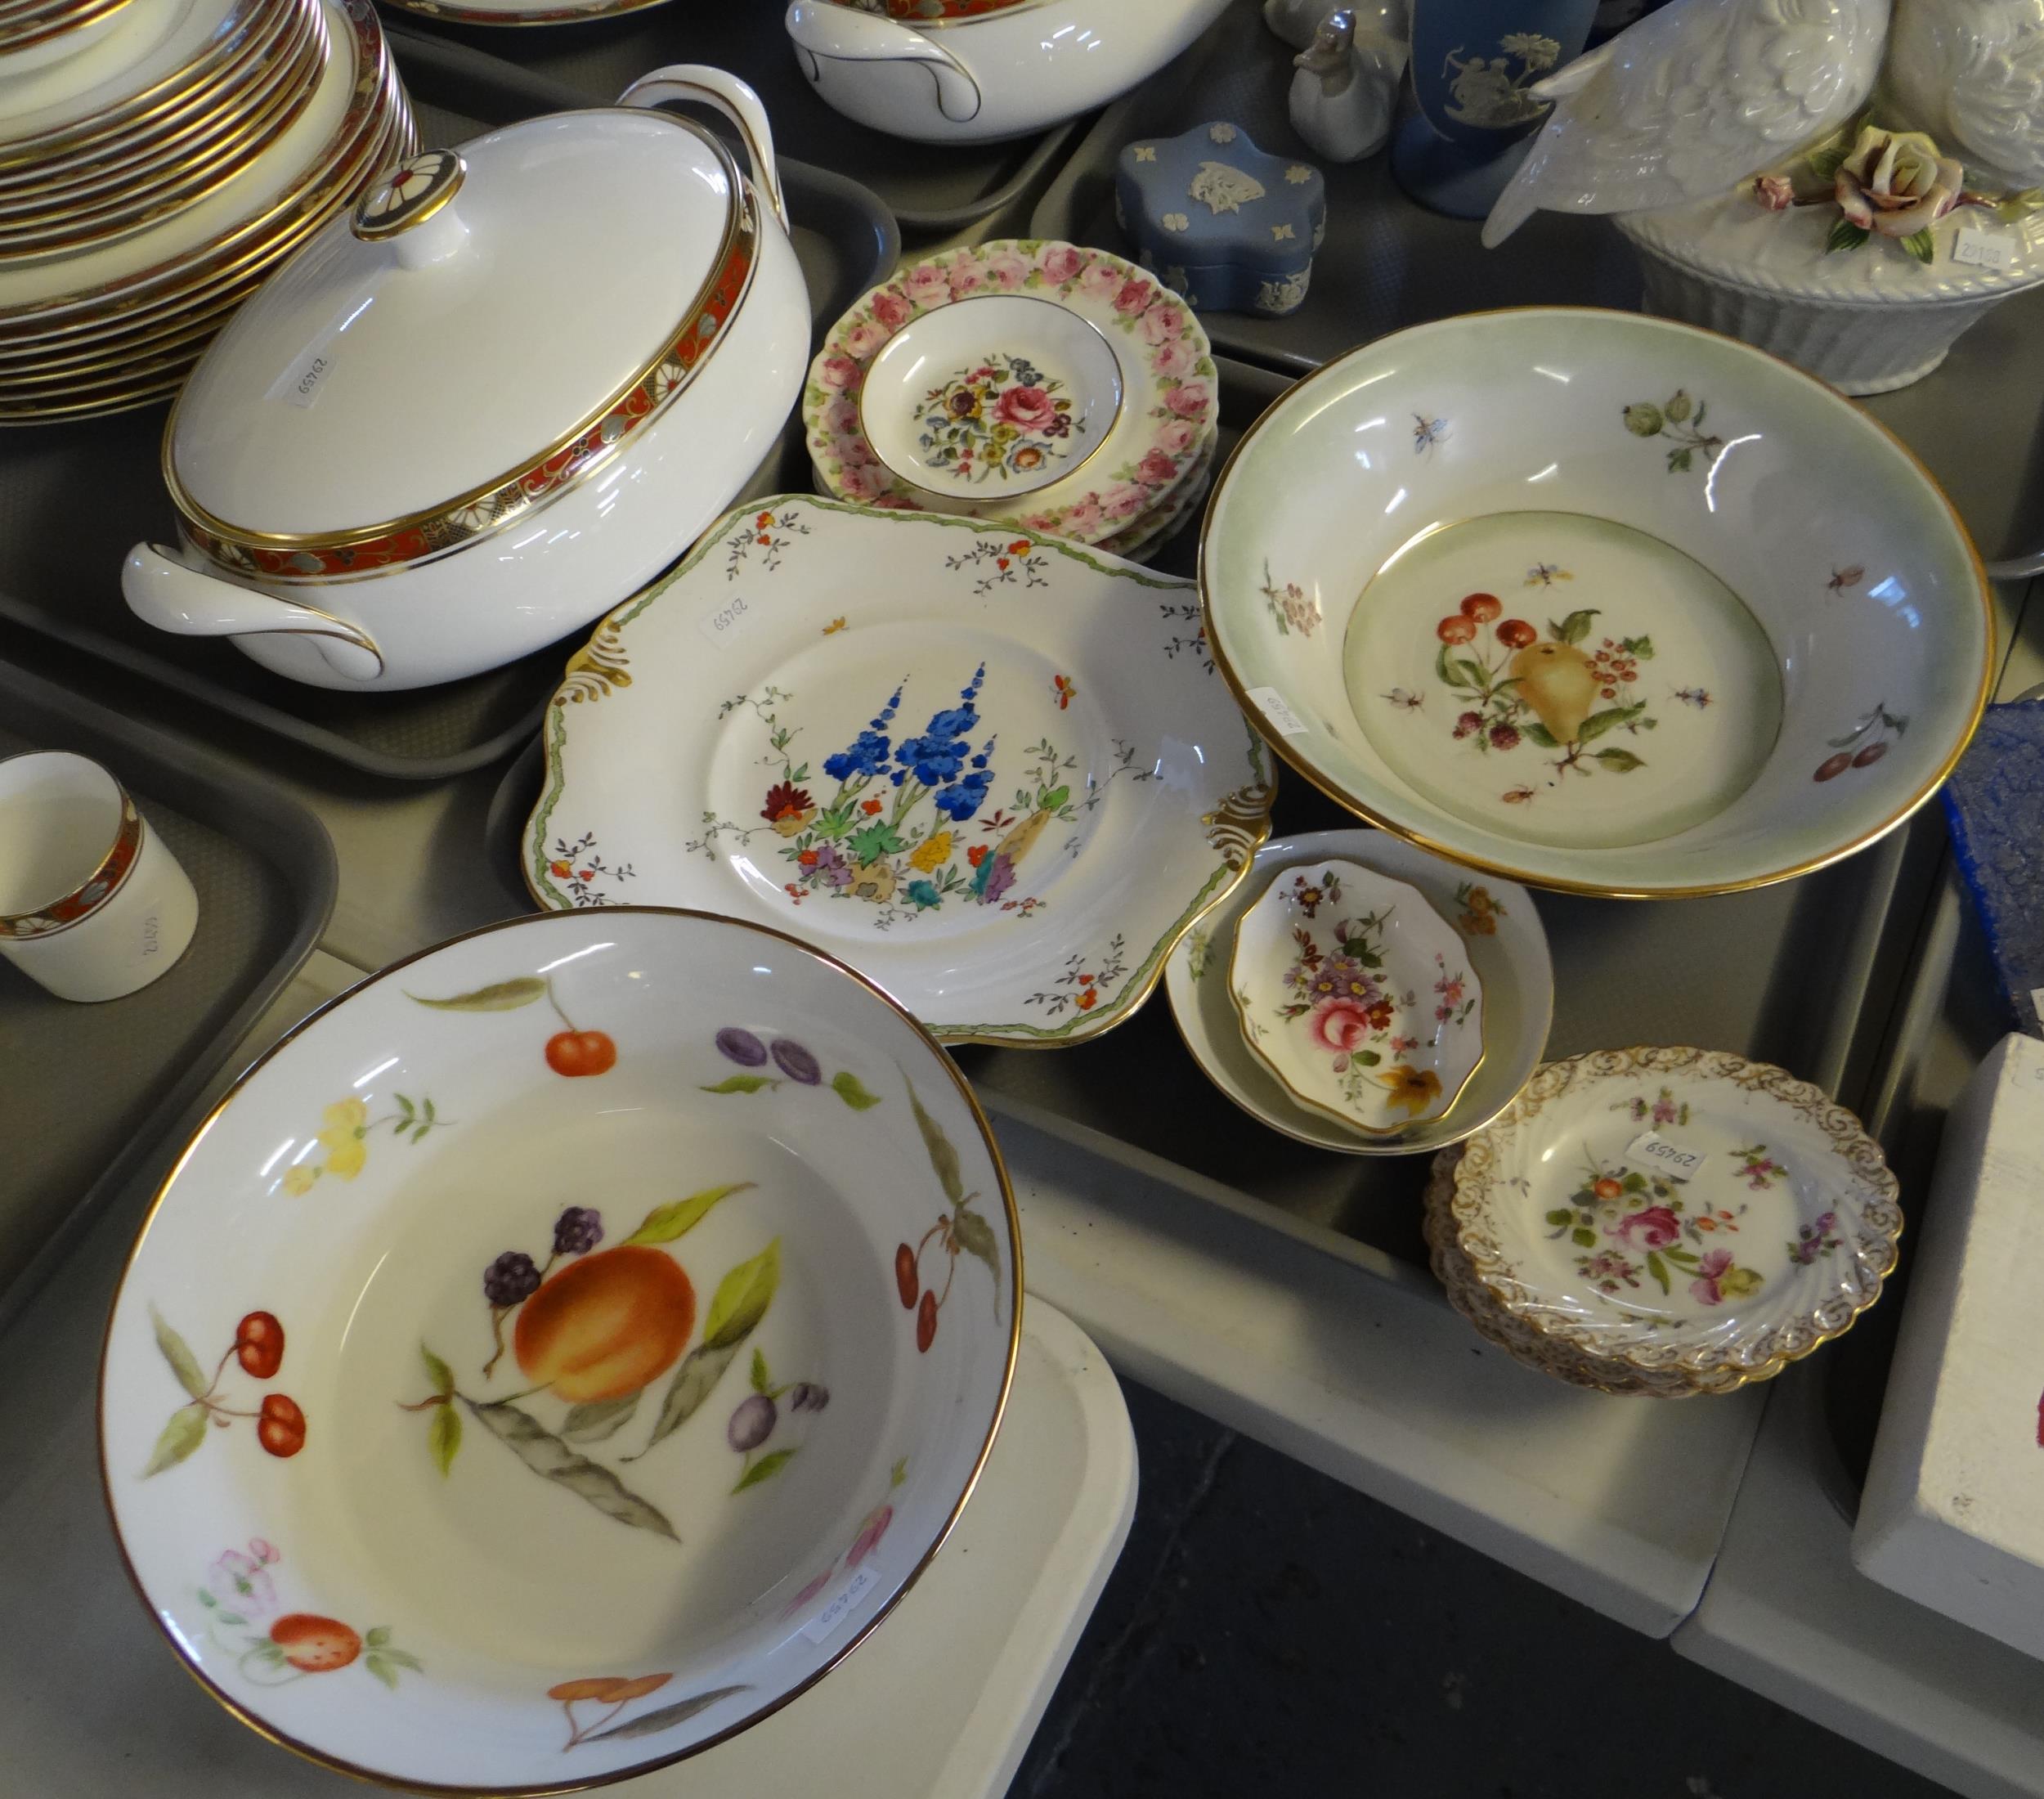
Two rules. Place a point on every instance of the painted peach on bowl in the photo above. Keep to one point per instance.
(604, 1327)
(583, 1422)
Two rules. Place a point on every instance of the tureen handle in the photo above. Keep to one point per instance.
(727, 95)
(161, 590)
(822, 28)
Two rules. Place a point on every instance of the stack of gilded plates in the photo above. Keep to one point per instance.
(1036, 384)
(1664, 1222)
(157, 157)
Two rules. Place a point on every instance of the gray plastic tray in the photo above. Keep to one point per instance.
(928, 188)
(74, 496)
(1798, 974)
(88, 1093)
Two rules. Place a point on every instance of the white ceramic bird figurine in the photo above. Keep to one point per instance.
(1691, 101)
(1971, 73)
(1346, 89)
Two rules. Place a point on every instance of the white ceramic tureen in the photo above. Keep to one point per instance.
(965, 71)
(501, 394)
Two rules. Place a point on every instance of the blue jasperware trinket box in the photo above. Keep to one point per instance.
(1995, 804)
(1219, 221)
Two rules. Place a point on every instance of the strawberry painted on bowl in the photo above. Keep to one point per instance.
(559, 1352)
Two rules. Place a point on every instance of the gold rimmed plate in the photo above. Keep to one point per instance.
(125, 205)
(330, 149)
(134, 165)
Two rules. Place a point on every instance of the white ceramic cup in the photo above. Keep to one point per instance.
(92, 904)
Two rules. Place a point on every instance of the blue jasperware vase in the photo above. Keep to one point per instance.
(1474, 63)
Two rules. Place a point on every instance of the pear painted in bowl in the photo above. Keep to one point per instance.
(1555, 679)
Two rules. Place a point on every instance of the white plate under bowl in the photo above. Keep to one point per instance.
(994, 772)
(1597, 601)
(1500, 927)
(1356, 994)
(685, 1172)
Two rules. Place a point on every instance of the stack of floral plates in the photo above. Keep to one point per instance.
(151, 177)
(1038, 384)
(1665, 1221)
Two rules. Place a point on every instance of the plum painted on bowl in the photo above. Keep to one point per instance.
(559, 1352)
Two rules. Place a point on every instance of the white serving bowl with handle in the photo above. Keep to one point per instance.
(491, 402)
(969, 71)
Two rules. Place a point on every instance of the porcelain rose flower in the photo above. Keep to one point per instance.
(1896, 183)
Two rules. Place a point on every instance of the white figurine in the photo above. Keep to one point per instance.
(1971, 73)
(1346, 89)
(1691, 101)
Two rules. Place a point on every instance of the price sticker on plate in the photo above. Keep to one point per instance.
(725, 624)
(1977, 249)
(1272, 704)
(827, 1620)
(1656, 1151)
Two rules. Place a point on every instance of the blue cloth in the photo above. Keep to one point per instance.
(1995, 803)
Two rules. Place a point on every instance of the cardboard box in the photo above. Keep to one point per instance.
(1953, 1512)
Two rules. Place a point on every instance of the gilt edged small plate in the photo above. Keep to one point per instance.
(1680, 1211)
(1358, 996)
(995, 772)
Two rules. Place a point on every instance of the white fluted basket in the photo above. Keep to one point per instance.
(1867, 321)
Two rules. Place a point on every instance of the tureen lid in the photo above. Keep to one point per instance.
(484, 326)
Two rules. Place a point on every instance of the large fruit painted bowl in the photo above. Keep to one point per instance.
(1597, 602)
(559, 1352)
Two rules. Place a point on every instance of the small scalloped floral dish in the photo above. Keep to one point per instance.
(1683, 1212)
(1358, 996)
(559, 1351)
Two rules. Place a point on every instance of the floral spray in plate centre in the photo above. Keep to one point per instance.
(1358, 996)
(1563, 679)
(618, 1334)
(898, 778)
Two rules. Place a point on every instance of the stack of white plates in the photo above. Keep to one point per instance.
(1038, 384)
(157, 158)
